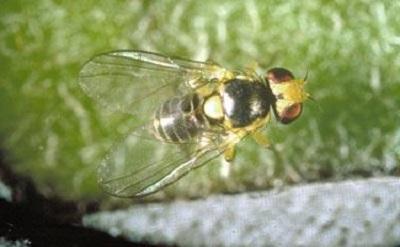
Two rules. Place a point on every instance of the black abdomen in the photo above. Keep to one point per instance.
(178, 119)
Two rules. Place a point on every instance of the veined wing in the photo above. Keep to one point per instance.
(137, 82)
(141, 165)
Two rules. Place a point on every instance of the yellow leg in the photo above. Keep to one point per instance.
(229, 153)
(252, 68)
(261, 139)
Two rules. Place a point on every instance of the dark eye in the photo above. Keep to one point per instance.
(290, 113)
(278, 75)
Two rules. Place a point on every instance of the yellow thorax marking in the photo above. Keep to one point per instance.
(257, 124)
(213, 107)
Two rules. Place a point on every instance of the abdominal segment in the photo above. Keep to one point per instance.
(179, 119)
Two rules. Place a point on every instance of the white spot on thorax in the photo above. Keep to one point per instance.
(255, 106)
(229, 104)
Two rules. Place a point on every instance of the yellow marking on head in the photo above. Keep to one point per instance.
(292, 91)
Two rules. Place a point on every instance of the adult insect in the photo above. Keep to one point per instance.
(190, 113)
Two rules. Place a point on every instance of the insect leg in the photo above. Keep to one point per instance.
(251, 68)
(261, 139)
(229, 153)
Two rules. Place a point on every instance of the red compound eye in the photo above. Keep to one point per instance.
(278, 75)
(290, 113)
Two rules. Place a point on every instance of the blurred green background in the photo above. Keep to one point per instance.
(51, 131)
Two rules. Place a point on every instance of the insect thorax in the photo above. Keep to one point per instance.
(245, 101)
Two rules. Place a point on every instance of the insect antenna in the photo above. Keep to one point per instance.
(306, 76)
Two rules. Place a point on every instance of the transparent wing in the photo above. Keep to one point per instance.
(141, 165)
(136, 81)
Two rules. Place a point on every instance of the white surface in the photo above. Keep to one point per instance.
(352, 213)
